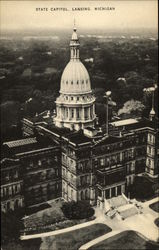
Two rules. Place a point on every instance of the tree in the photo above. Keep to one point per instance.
(132, 107)
(77, 210)
(142, 188)
(11, 225)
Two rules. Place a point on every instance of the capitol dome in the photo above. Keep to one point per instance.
(75, 107)
(75, 79)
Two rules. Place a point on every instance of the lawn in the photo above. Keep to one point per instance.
(73, 240)
(50, 219)
(33, 244)
(155, 206)
(157, 222)
(46, 216)
(126, 240)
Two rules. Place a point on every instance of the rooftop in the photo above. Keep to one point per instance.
(134, 124)
(78, 137)
(124, 122)
(22, 142)
(108, 140)
(8, 162)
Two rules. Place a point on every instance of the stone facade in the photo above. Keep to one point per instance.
(11, 185)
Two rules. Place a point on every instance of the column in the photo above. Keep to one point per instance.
(82, 113)
(89, 113)
(60, 112)
(123, 188)
(64, 113)
(68, 114)
(93, 109)
(110, 193)
(116, 191)
(103, 195)
(75, 114)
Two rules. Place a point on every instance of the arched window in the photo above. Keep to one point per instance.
(8, 205)
(71, 193)
(82, 195)
(16, 204)
(87, 194)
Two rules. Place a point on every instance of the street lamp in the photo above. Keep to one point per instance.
(152, 91)
(107, 96)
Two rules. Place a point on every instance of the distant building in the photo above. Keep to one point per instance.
(69, 155)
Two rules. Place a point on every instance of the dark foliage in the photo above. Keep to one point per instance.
(152, 245)
(11, 224)
(157, 222)
(155, 206)
(77, 210)
(36, 209)
(142, 188)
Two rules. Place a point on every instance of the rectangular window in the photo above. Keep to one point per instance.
(72, 113)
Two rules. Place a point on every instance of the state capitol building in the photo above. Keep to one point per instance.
(68, 154)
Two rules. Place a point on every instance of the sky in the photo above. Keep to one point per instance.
(128, 14)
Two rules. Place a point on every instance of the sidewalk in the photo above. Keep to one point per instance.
(147, 203)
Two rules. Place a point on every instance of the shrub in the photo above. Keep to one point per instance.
(142, 188)
(77, 210)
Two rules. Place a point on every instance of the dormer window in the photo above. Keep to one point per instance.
(77, 82)
(71, 82)
(66, 82)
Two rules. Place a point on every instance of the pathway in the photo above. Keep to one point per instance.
(147, 203)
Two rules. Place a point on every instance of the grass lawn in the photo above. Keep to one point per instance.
(50, 219)
(33, 244)
(157, 222)
(73, 240)
(46, 216)
(126, 240)
(155, 206)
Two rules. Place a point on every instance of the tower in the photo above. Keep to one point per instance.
(75, 107)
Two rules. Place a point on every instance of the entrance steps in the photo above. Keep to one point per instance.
(120, 207)
(127, 211)
(118, 201)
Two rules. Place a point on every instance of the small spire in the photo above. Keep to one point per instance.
(74, 28)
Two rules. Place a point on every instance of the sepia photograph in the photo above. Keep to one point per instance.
(79, 125)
